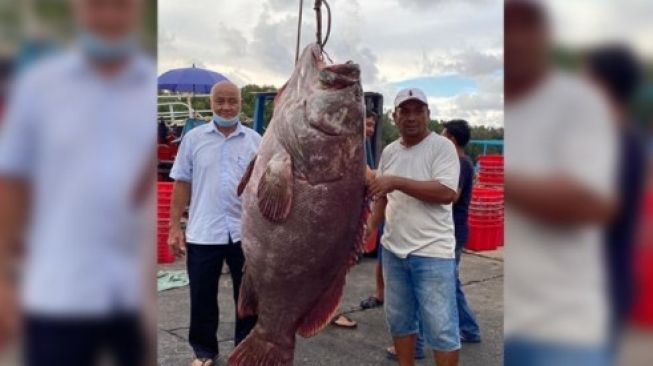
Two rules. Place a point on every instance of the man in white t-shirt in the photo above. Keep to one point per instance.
(560, 161)
(416, 184)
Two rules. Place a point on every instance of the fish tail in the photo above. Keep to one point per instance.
(256, 350)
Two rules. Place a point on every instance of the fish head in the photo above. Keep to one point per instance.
(332, 95)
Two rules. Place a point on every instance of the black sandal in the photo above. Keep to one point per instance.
(371, 302)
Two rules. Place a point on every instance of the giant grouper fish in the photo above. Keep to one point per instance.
(303, 199)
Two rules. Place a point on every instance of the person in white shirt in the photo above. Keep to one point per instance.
(74, 198)
(416, 185)
(211, 161)
(560, 181)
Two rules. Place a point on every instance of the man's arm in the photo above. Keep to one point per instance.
(14, 213)
(558, 200)
(426, 191)
(180, 198)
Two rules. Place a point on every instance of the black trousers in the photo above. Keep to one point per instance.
(204, 264)
(81, 342)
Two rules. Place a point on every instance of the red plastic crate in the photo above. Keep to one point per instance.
(164, 195)
(642, 314)
(490, 179)
(164, 186)
(483, 237)
(164, 253)
(490, 159)
(486, 192)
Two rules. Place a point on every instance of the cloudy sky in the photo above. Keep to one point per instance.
(452, 49)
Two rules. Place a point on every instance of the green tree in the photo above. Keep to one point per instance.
(390, 133)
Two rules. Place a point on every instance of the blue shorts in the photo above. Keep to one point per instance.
(422, 288)
(519, 352)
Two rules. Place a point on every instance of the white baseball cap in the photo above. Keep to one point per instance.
(410, 94)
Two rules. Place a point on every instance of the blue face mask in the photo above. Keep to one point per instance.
(223, 122)
(101, 49)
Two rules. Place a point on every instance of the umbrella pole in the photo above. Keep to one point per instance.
(190, 105)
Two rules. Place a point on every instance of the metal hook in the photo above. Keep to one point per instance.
(318, 15)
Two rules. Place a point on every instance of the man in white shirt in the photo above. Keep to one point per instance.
(211, 161)
(416, 185)
(560, 175)
(70, 192)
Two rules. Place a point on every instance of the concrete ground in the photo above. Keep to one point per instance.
(482, 276)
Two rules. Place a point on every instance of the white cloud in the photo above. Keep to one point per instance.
(253, 41)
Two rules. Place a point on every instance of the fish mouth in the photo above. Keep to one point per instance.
(339, 76)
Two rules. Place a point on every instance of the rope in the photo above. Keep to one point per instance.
(299, 30)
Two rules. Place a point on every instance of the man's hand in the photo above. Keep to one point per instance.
(177, 241)
(370, 177)
(383, 185)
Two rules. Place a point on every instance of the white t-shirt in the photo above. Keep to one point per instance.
(554, 276)
(414, 227)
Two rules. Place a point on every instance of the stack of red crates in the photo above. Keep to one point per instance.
(643, 307)
(485, 219)
(164, 199)
(491, 170)
(486, 208)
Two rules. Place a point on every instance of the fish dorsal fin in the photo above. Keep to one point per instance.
(275, 189)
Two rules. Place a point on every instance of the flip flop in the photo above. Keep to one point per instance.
(344, 322)
(391, 354)
(203, 361)
(371, 303)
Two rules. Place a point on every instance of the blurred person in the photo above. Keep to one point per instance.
(163, 132)
(416, 184)
(560, 161)
(73, 199)
(617, 73)
(210, 162)
(375, 300)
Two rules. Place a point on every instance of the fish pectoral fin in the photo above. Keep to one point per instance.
(324, 309)
(275, 189)
(245, 179)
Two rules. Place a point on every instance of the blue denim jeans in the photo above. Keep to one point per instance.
(525, 352)
(467, 323)
(469, 328)
(420, 298)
